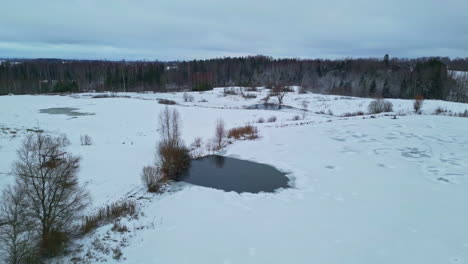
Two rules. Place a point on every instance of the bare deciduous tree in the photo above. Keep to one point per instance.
(279, 91)
(169, 127)
(173, 156)
(47, 175)
(17, 243)
(220, 133)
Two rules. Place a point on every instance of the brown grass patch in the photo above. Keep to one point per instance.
(107, 214)
(244, 132)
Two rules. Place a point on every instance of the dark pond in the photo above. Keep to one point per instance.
(269, 107)
(230, 174)
(69, 111)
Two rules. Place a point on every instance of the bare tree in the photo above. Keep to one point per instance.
(173, 156)
(220, 132)
(47, 175)
(169, 127)
(17, 243)
(279, 91)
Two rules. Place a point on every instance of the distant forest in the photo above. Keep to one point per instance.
(387, 77)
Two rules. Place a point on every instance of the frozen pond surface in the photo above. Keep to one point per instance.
(69, 111)
(230, 174)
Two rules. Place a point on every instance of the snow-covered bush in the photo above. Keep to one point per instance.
(249, 95)
(230, 91)
(439, 110)
(463, 114)
(196, 150)
(197, 142)
(86, 140)
(271, 119)
(151, 177)
(188, 97)
(380, 106)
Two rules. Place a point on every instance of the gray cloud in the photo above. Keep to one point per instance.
(169, 30)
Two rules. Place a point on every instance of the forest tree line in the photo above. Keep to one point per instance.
(432, 77)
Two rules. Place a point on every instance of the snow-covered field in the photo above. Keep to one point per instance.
(365, 190)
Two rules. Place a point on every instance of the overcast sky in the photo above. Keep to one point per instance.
(178, 30)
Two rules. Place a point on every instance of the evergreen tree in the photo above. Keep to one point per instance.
(386, 89)
(372, 88)
(386, 60)
(362, 86)
(404, 89)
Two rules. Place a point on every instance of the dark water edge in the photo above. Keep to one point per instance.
(69, 111)
(268, 107)
(231, 174)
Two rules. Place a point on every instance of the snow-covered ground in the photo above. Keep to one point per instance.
(365, 190)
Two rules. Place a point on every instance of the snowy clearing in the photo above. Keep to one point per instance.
(365, 190)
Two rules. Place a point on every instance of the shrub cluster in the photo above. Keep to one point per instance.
(243, 132)
(166, 101)
(440, 111)
(188, 97)
(380, 106)
(151, 177)
(230, 91)
(271, 119)
(249, 95)
(251, 89)
(86, 140)
(358, 113)
(173, 160)
(107, 214)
